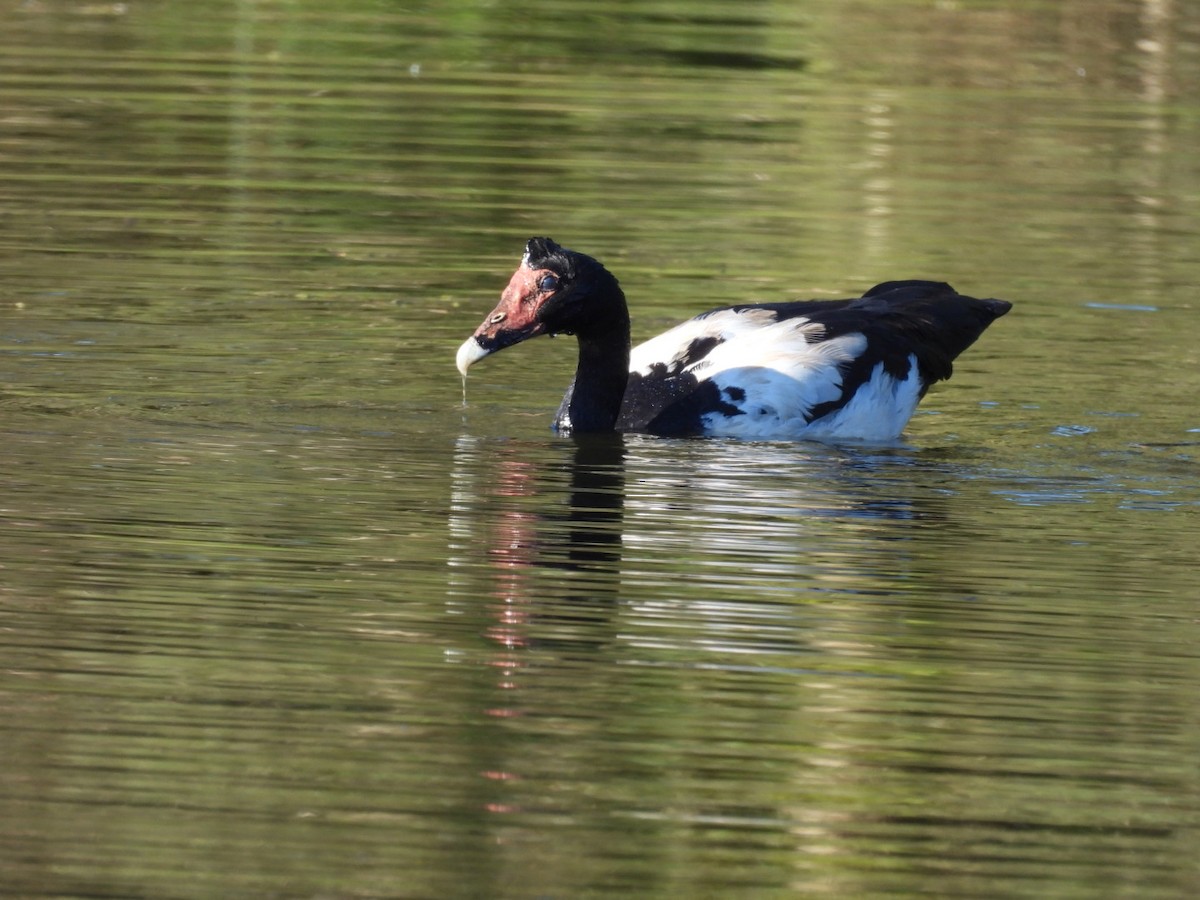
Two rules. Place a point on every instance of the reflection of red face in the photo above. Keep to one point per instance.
(513, 535)
(511, 549)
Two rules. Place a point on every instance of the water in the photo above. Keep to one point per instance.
(281, 617)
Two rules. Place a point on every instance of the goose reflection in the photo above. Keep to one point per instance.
(544, 523)
(622, 582)
(699, 538)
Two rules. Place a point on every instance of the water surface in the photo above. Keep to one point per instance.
(279, 616)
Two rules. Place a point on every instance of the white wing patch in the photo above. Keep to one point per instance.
(775, 373)
(671, 346)
(777, 376)
(878, 411)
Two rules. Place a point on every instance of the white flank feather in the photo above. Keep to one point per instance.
(878, 411)
(782, 374)
(776, 373)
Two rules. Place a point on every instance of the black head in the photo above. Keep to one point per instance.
(584, 294)
(553, 291)
(543, 253)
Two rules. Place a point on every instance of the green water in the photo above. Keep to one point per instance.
(280, 616)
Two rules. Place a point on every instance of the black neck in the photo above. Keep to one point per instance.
(593, 401)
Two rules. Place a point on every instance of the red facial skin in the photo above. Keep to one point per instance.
(517, 310)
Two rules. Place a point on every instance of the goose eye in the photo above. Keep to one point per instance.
(548, 283)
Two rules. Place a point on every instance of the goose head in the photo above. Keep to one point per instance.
(553, 291)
